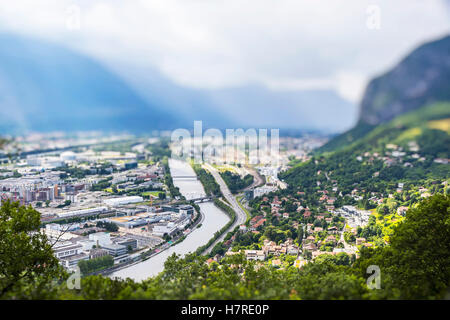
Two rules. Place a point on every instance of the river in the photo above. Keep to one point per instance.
(214, 220)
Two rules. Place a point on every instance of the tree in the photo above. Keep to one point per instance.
(109, 226)
(349, 237)
(26, 257)
(326, 279)
(88, 266)
(383, 209)
(416, 264)
(300, 234)
(65, 204)
(161, 196)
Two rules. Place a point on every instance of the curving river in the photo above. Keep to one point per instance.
(214, 220)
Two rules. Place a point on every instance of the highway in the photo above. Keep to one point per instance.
(257, 179)
(241, 216)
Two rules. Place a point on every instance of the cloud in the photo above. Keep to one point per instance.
(282, 44)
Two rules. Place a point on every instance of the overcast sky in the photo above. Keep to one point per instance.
(281, 44)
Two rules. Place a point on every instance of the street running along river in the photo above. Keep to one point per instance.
(214, 220)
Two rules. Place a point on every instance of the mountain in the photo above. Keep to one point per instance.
(313, 110)
(245, 106)
(46, 87)
(189, 104)
(427, 129)
(421, 78)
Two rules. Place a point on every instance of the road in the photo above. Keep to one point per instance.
(241, 216)
(138, 258)
(257, 179)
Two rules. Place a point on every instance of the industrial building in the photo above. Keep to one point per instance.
(114, 202)
(83, 212)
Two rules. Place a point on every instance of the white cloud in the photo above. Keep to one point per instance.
(283, 44)
(350, 85)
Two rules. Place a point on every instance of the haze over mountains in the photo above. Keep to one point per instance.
(46, 87)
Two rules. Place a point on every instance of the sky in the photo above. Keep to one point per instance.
(284, 45)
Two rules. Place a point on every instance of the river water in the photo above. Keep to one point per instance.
(214, 220)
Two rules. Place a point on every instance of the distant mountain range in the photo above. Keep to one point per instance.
(247, 106)
(419, 80)
(46, 87)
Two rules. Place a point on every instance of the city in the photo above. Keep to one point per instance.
(224, 159)
(95, 203)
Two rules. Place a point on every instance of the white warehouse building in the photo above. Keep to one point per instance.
(161, 229)
(114, 202)
(82, 212)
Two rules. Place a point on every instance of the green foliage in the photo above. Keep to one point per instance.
(416, 264)
(174, 191)
(363, 132)
(236, 278)
(72, 172)
(235, 182)
(370, 175)
(92, 265)
(27, 263)
(109, 226)
(344, 139)
(65, 204)
(300, 234)
(102, 185)
(275, 234)
(16, 174)
(349, 237)
(209, 183)
(435, 143)
(3, 142)
(372, 230)
(160, 149)
(373, 175)
(230, 212)
(341, 259)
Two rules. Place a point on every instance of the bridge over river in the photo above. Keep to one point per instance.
(214, 220)
(184, 177)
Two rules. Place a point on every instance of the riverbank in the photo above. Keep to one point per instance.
(212, 242)
(142, 258)
(214, 220)
(241, 215)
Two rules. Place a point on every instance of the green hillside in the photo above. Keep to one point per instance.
(420, 79)
(408, 149)
(346, 138)
(425, 121)
(427, 126)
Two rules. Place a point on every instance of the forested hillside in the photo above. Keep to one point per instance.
(416, 265)
(407, 149)
(420, 79)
